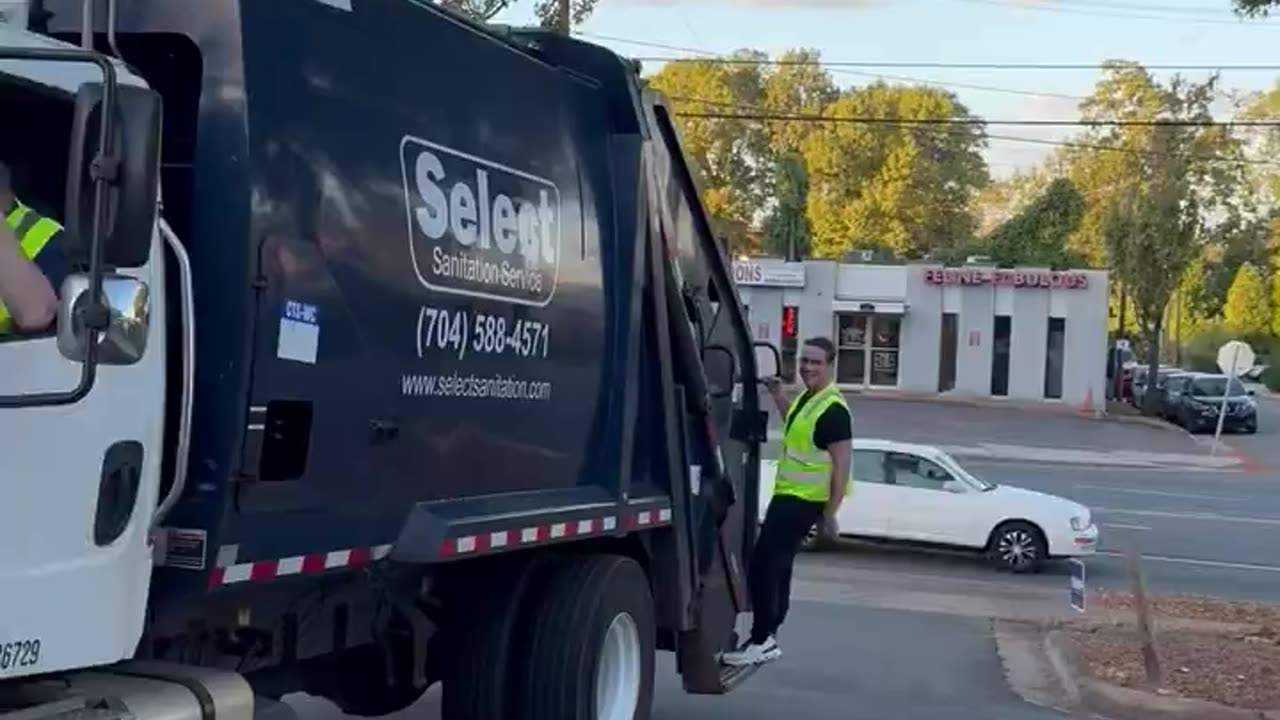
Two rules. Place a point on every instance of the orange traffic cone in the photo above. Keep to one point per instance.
(1086, 407)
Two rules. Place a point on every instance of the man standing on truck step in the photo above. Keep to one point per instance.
(813, 474)
(30, 262)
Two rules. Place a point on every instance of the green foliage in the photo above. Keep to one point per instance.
(725, 154)
(908, 187)
(1201, 351)
(1255, 8)
(786, 230)
(1271, 378)
(1248, 308)
(1038, 234)
(546, 10)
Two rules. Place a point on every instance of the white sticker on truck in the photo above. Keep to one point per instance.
(299, 337)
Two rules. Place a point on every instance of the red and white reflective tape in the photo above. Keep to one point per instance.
(260, 570)
(534, 534)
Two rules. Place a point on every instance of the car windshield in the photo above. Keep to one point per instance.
(1213, 386)
(950, 463)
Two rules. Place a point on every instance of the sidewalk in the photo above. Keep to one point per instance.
(1003, 452)
(1115, 411)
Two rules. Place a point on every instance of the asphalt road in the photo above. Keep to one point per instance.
(851, 651)
(1199, 531)
(880, 631)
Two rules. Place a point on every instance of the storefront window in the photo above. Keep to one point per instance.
(884, 349)
(851, 355)
(868, 347)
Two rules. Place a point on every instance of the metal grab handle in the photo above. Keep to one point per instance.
(187, 301)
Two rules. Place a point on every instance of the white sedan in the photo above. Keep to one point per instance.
(920, 494)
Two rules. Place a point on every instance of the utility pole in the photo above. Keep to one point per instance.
(563, 15)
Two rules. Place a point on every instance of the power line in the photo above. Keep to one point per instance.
(1023, 122)
(779, 117)
(711, 57)
(1117, 15)
(936, 65)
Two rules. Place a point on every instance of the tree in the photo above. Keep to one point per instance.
(904, 187)
(1255, 8)
(1264, 141)
(546, 10)
(998, 202)
(1152, 232)
(724, 153)
(1248, 309)
(1038, 235)
(482, 10)
(786, 229)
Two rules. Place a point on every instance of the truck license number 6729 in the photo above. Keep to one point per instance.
(19, 653)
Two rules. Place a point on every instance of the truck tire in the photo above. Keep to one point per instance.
(591, 644)
(491, 621)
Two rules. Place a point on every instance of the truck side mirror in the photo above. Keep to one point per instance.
(132, 195)
(768, 360)
(127, 301)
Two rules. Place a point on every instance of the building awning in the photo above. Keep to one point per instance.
(880, 307)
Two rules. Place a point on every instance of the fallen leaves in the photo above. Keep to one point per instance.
(1223, 651)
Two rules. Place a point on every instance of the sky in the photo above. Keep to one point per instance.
(1170, 32)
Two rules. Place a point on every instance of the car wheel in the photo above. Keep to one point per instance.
(1018, 546)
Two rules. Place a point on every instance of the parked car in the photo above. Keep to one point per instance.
(1171, 394)
(1140, 384)
(919, 494)
(1199, 401)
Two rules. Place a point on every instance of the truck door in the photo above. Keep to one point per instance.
(722, 439)
(80, 471)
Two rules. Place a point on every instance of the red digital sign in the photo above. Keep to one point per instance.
(1058, 280)
(789, 321)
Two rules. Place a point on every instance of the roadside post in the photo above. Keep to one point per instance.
(1076, 589)
(1234, 358)
(1146, 633)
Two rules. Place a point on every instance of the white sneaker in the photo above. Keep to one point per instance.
(753, 654)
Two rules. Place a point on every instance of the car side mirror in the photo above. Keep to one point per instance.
(127, 301)
(133, 176)
(954, 486)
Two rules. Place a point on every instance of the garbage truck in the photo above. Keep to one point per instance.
(393, 350)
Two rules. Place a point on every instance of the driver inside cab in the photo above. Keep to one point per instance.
(32, 264)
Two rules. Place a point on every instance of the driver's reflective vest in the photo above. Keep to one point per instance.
(34, 231)
(805, 469)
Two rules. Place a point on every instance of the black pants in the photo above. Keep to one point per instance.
(785, 525)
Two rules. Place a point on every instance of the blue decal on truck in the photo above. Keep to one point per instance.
(299, 337)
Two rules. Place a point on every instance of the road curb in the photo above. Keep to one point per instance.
(1121, 703)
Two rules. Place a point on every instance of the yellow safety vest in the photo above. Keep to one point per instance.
(33, 231)
(805, 469)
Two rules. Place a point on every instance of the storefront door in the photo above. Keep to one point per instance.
(867, 347)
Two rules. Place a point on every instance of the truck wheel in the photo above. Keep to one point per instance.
(478, 678)
(591, 644)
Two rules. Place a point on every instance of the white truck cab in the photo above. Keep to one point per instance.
(80, 436)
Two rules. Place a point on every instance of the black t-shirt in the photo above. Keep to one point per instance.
(834, 425)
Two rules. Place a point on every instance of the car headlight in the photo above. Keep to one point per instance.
(1079, 523)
